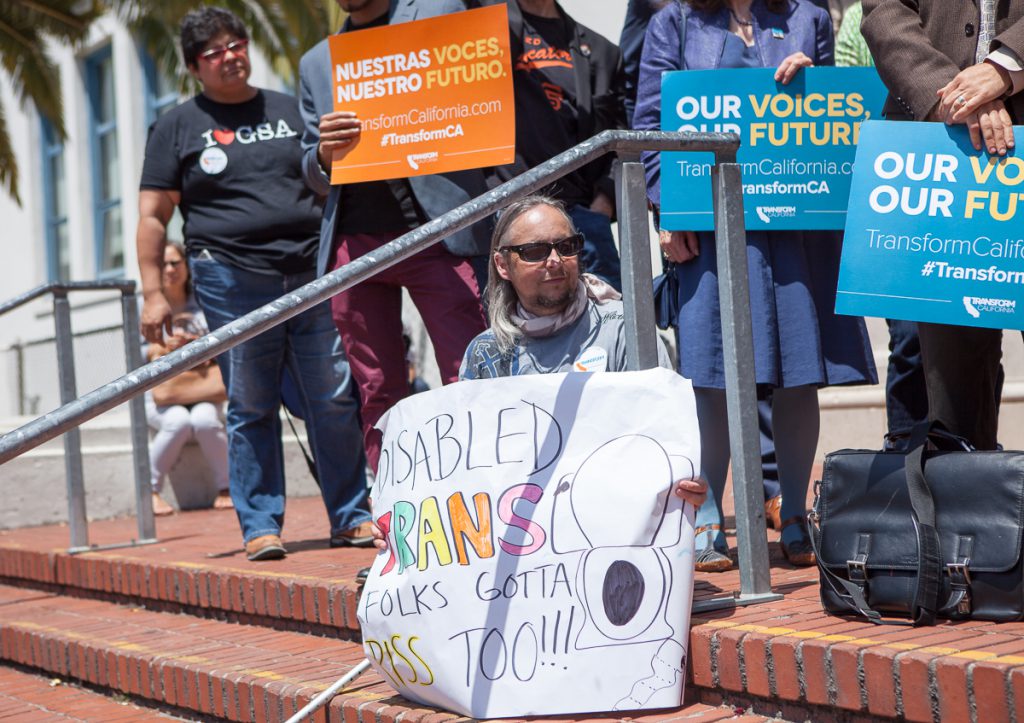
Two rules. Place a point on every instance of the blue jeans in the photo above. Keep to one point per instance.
(307, 346)
(600, 256)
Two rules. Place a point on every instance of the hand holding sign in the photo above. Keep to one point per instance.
(993, 126)
(339, 134)
(970, 90)
(974, 97)
(789, 67)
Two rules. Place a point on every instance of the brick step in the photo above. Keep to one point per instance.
(199, 567)
(28, 697)
(783, 657)
(214, 668)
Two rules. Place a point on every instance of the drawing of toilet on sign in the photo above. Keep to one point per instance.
(624, 577)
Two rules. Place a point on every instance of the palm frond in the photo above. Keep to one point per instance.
(8, 161)
(32, 73)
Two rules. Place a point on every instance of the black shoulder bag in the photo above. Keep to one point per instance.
(923, 534)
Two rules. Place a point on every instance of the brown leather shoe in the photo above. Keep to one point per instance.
(265, 547)
(773, 512)
(359, 536)
(799, 553)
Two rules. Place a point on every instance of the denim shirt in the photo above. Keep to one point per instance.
(803, 27)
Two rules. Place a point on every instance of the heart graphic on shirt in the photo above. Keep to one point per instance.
(225, 138)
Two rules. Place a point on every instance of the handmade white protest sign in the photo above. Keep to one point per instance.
(538, 561)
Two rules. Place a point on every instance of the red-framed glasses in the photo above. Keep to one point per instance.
(214, 56)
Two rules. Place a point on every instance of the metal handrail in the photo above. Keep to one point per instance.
(122, 285)
(74, 477)
(733, 292)
(121, 390)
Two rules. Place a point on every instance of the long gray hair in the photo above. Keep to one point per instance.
(501, 296)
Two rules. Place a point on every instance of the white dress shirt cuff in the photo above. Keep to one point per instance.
(1012, 64)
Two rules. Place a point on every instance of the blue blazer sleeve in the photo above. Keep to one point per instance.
(824, 39)
(660, 55)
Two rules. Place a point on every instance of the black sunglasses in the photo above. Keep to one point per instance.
(538, 251)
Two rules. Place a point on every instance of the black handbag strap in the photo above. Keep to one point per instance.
(929, 549)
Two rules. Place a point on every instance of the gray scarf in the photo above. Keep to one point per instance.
(589, 288)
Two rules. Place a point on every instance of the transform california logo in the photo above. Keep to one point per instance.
(767, 213)
(416, 159)
(976, 305)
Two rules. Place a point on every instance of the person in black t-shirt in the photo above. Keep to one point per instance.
(230, 159)
(361, 217)
(569, 86)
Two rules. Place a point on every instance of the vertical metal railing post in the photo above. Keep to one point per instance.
(740, 384)
(78, 523)
(635, 252)
(137, 412)
(19, 351)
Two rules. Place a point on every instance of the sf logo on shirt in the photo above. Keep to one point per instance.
(214, 160)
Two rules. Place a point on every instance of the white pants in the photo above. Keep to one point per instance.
(174, 426)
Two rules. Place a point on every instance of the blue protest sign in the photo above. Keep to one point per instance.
(798, 143)
(933, 232)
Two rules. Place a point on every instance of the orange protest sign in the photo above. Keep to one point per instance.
(433, 95)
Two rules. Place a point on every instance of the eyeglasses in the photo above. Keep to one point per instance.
(537, 251)
(214, 56)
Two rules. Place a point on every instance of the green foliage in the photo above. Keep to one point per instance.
(282, 31)
(24, 27)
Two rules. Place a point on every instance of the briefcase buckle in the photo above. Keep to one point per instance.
(960, 578)
(857, 571)
(959, 573)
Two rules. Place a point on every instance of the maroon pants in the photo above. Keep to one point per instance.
(369, 319)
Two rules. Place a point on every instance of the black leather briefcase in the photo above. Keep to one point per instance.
(922, 534)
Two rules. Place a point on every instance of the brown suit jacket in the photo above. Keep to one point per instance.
(920, 45)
